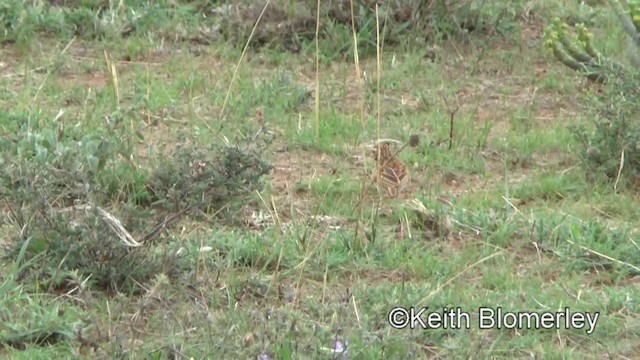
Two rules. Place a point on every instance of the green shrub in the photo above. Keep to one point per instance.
(612, 144)
(76, 193)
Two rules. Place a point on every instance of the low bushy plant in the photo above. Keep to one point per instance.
(87, 206)
(611, 143)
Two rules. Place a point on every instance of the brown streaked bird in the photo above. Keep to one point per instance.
(391, 172)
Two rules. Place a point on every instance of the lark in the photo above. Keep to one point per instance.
(391, 172)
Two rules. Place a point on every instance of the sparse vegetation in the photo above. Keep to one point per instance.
(610, 143)
(57, 182)
(168, 192)
(579, 53)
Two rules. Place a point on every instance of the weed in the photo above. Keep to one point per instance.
(610, 145)
(57, 184)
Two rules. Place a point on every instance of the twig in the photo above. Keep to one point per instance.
(317, 103)
(163, 224)
(615, 185)
(452, 114)
(237, 69)
(114, 224)
(453, 278)
(451, 128)
(55, 273)
(35, 97)
(604, 256)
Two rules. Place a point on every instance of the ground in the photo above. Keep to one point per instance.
(503, 217)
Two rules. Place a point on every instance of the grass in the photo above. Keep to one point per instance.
(311, 261)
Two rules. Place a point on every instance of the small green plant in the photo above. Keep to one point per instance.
(211, 176)
(21, 21)
(611, 145)
(578, 53)
(34, 320)
(84, 202)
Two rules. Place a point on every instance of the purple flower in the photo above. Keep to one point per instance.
(263, 356)
(340, 350)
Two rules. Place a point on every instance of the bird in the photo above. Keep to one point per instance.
(391, 172)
